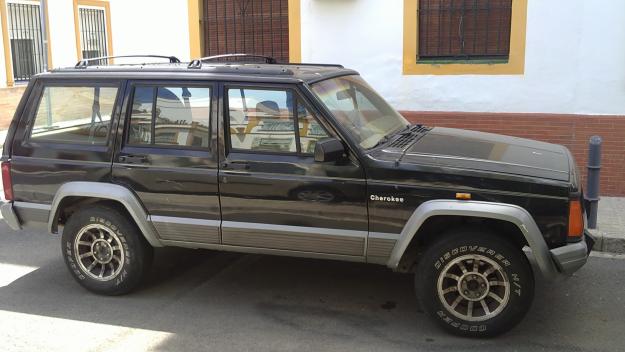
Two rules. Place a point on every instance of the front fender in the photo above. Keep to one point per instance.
(500, 211)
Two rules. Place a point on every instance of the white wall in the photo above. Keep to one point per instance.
(61, 29)
(138, 27)
(572, 65)
(158, 27)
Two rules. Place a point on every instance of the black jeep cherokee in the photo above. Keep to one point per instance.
(299, 160)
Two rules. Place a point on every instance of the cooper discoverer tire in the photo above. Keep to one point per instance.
(104, 251)
(475, 283)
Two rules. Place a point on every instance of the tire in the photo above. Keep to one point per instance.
(502, 270)
(116, 256)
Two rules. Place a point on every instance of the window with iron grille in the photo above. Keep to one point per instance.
(464, 29)
(93, 32)
(246, 26)
(26, 40)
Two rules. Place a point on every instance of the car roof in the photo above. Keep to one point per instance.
(279, 73)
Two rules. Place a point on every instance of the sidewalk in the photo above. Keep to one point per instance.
(610, 232)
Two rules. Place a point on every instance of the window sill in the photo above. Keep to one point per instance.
(462, 61)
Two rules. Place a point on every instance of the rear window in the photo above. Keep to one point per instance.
(74, 114)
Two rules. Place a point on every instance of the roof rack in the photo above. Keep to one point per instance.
(314, 64)
(85, 62)
(197, 63)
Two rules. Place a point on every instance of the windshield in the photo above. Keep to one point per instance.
(362, 111)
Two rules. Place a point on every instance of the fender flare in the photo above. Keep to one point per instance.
(104, 191)
(500, 211)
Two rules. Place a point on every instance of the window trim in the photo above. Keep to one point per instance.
(101, 4)
(514, 66)
(165, 84)
(30, 124)
(227, 141)
(8, 61)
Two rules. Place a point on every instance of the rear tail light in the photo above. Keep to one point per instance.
(6, 180)
(576, 220)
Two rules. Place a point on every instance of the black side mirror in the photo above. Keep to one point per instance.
(329, 149)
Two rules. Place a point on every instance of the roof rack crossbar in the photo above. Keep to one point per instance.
(197, 63)
(85, 62)
(314, 64)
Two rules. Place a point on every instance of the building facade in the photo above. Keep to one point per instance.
(548, 70)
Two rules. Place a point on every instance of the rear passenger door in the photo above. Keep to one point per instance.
(167, 157)
(64, 135)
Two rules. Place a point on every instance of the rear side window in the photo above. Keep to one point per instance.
(170, 117)
(74, 115)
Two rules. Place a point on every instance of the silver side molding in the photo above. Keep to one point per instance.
(104, 191)
(500, 211)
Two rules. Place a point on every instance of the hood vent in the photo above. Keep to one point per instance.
(408, 137)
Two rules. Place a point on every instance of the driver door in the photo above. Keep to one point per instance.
(273, 194)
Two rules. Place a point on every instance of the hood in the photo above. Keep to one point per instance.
(490, 152)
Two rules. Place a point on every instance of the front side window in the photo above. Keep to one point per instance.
(74, 115)
(170, 116)
(266, 120)
(359, 109)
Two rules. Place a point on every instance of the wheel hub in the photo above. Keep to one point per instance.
(473, 286)
(102, 251)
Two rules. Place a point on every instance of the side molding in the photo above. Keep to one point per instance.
(506, 212)
(104, 191)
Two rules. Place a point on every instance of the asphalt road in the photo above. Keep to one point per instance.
(201, 300)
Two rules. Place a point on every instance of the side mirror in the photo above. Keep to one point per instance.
(329, 149)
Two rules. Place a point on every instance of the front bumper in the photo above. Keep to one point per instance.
(9, 215)
(572, 257)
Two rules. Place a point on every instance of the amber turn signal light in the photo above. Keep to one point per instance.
(576, 219)
(463, 196)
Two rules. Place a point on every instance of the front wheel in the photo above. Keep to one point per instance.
(474, 283)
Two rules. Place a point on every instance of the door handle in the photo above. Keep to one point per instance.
(236, 165)
(133, 159)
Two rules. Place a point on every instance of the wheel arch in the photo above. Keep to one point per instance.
(80, 191)
(508, 213)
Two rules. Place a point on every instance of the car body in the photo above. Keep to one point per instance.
(284, 159)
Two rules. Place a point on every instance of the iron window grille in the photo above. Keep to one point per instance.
(464, 29)
(26, 40)
(93, 34)
(246, 26)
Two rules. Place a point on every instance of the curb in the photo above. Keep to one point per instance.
(606, 242)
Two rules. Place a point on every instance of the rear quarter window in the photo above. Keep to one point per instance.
(74, 114)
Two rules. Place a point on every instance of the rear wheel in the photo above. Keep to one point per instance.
(105, 251)
(474, 283)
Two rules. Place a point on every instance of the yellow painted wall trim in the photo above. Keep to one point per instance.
(49, 46)
(109, 29)
(195, 29)
(514, 66)
(8, 61)
(5, 43)
(295, 31)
